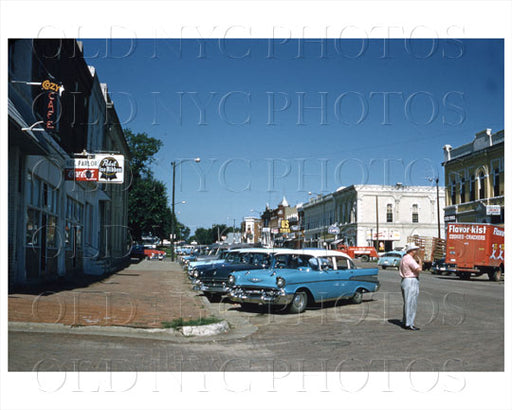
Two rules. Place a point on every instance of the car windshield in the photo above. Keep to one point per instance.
(255, 258)
(291, 261)
(232, 257)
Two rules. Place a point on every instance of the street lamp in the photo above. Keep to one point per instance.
(173, 225)
(436, 179)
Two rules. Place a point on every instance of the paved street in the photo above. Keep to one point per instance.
(461, 330)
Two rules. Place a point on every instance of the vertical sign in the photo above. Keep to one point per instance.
(51, 104)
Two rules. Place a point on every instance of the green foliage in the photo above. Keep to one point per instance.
(206, 236)
(142, 149)
(148, 210)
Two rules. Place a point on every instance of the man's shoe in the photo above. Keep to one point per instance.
(412, 328)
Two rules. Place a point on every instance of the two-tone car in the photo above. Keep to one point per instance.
(212, 279)
(298, 278)
(390, 259)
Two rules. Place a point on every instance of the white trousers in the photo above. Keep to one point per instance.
(410, 291)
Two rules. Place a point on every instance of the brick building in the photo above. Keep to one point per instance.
(475, 179)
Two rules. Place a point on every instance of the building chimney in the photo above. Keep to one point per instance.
(447, 152)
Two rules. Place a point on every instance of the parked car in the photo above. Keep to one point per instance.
(390, 259)
(143, 252)
(300, 277)
(219, 257)
(212, 279)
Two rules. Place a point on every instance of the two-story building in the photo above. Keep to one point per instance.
(251, 229)
(280, 225)
(475, 179)
(383, 216)
(60, 224)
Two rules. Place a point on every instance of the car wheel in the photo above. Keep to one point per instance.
(213, 297)
(383, 267)
(299, 302)
(465, 275)
(358, 297)
(364, 258)
(495, 275)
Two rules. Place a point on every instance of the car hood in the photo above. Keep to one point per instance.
(267, 277)
(199, 264)
(224, 270)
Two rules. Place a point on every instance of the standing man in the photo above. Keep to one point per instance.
(410, 268)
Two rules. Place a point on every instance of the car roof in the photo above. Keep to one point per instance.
(255, 250)
(317, 253)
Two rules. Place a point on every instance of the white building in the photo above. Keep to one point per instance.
(251, 228)
(379, 215)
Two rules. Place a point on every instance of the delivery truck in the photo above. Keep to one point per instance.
(365, 253)
(476, 249)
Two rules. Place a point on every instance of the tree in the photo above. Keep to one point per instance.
(142, 149)
(207, 236)
(148, 210)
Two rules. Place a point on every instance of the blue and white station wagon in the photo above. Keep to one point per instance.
(300, 277)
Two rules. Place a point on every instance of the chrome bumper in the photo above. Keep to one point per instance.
(271, 296)
(213, 289)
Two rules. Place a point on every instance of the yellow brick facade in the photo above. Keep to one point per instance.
(475, 179)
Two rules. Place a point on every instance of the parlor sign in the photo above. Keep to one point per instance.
(104, 168)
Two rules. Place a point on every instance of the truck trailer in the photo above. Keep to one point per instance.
(476, 249)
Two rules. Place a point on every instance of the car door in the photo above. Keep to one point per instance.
(345, 270)
(327, 285)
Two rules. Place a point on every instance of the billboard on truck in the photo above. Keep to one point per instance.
(476, 249)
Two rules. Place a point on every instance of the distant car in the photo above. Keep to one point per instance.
(390, 259)
(143, 252)
(300, 277)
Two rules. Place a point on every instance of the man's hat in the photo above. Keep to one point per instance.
(411, 247)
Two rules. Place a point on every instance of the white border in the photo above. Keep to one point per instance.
(283, 19)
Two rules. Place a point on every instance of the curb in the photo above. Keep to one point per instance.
(186, 333)
(206, 330)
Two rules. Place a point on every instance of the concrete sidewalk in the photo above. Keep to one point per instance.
(144, 295)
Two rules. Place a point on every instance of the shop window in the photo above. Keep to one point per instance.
(68, 238)
(51, 231)
(389, 213)
(32, 231)
(34, 190)
(415, 216)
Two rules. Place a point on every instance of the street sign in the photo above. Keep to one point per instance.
(493, 209)
(333, 229)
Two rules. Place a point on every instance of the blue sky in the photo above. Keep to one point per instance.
(273, 118)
